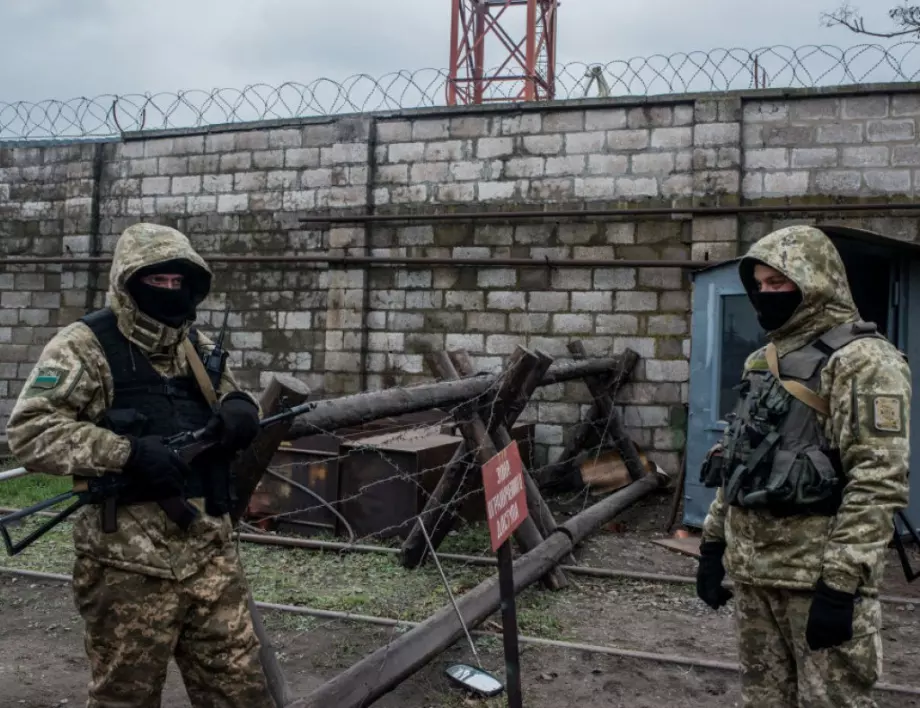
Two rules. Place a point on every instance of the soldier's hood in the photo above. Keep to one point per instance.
(142, 245)
(806, 256)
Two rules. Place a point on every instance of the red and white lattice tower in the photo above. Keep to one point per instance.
(524, 67)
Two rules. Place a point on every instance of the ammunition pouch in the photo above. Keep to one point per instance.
(790, 484)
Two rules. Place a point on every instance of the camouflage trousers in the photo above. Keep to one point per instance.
(777, 667)
(134, 624)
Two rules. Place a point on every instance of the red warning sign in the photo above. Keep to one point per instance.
(506, 497)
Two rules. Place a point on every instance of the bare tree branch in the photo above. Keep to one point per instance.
(905, 17)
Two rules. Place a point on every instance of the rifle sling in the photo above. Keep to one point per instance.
(799, 391)
(201, 376)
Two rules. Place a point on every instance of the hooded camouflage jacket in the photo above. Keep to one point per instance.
(846, 550)
(52, 427)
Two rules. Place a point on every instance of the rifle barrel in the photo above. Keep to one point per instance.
(13, 474)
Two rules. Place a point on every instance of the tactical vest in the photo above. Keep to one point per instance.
(775, 456)
(147, 403)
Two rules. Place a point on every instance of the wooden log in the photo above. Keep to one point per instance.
(603, 392)
(247, 470)
(600, 390)
(459, 478)
(477, 439)
(360, 408)
(381, 671)
(250, 465)
(438, 516)
(520, 361)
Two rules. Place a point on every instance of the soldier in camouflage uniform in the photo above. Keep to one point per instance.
(102, 395)
(809, 476)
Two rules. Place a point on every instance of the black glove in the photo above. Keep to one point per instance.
(236, 422)
(709, 575)
(155, 470)
(830, 619)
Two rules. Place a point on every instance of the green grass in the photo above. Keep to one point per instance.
(31, 489)
(360, 583)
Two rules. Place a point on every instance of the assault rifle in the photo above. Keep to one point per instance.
(108, 489)
(103, 490)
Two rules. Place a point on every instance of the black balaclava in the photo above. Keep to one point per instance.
(170, 307)
(773, 308)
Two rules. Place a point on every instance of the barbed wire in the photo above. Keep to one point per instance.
(715, 70)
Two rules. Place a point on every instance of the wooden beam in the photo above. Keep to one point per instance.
(359, 408)
(381, 671)
(520, 364)
(599, 387)
(477, 439)
(460, 477)
(603, 389)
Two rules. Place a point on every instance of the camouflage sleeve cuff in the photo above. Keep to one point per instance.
(842, 582)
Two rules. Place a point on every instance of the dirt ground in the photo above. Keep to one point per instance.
(42, 662)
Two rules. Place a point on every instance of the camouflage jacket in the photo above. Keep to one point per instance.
(52, 426)
(846, 550)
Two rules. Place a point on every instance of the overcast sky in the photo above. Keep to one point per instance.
(65, 48)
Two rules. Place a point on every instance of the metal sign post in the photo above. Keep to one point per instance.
(506, 508)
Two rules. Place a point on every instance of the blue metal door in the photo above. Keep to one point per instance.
(724, 332)
(906, 300)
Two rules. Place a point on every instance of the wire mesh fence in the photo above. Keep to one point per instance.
(715, 70)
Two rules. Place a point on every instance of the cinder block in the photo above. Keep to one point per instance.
(608, 164)
(614, 278)
(406, 152)
(636, 301)
(637, 187)
(564, 121)
(548, 301)
(865, 107)
(543, 144)
(667, 324)
(844, 182)
(785, 183)
(667, 370)
(715, 134)
(446, 150)
(672, 138)
(627, 139)
(767, 158)
(592, 301)
(814, 157)
(505, 300)
(840, 133)
(573, 324)
(888, 181)
(765, 111)
(590, 142)
(570, 165)
(659, 164)
(879, 131)
(605, 119)
(487, 148)
(302, 157)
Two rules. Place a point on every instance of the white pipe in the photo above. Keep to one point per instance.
(591, 648)
(13, 474)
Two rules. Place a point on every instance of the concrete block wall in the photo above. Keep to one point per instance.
(242, 190)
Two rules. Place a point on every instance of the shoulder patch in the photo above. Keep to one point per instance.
(887, 414)
(50, 380)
